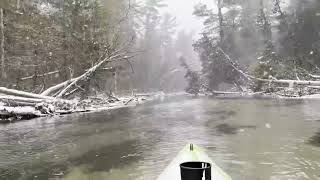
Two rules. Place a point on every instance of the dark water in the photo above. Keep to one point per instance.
(249, 139)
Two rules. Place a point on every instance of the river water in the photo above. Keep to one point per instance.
(249, 139)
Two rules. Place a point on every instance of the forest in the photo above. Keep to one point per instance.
(59, 55)
(258, 46)
(54, 51)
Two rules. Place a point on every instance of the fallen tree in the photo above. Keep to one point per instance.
(7, 112)
(61, 90)
(87, 75)
(284, 87)
(290, 83)
(52, 100)
(55, 88)
(20, 101)
(18, 93)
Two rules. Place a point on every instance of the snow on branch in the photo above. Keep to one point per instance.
(40, 75)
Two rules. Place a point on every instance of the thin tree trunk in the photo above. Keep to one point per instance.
(3, 74)
(18, 4)
(115, 82)
(40, 75)
(220, 20)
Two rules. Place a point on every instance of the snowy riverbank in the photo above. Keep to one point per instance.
(91, 104)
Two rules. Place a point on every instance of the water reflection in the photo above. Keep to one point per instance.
(232, 129)
(315, 139)
(105, 162)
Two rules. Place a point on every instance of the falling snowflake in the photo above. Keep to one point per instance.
(259, 58)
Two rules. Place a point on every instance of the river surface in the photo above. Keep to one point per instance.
(249, 139)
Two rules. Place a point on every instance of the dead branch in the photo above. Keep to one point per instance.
(41, 75)
(131, 99)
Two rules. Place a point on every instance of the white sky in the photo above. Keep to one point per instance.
(183, 10)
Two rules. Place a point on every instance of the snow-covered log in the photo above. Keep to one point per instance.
(225, 93)
(20, 100)
(14, 92)
(19, 111)
(287, 81)
(314, 87)
(314, 76)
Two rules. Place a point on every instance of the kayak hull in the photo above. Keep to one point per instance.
(191, 153)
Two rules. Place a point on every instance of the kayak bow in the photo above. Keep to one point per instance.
(188, 154)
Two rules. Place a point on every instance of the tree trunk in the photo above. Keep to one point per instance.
(15, 100)
(55, 88)
(18, 4)
(21, 111)
(115, 82)
(3, 74)
(220, 21)
(14, 92)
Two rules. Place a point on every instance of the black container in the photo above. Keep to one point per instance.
(195, 171)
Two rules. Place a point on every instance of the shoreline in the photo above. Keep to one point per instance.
(92, 104)
(89, 105)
